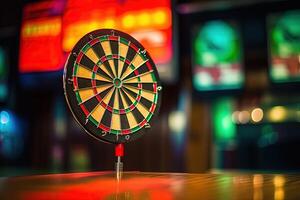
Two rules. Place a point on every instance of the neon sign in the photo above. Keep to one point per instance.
(149, 23)
(40, 42)
(50, 29)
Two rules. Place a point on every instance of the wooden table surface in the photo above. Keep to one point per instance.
(166, 186)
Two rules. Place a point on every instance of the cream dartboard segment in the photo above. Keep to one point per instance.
(112, 86)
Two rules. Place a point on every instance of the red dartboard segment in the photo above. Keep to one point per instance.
(109, 108)
(79, 57)
(75, 83)
(103, 127)
(98, 98)
(152, 108)
(113, 37)
(103, 59)
(154, 87)
(149, 66)
(86, 112)
(93, 42)
(113, 93)
(134, 47)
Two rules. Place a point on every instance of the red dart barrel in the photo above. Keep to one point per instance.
(119, 150)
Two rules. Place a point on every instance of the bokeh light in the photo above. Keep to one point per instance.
(244, 117)
(257, 114)
(278, 114)
(258, 180)
(177, 121)
(4, 117)
(279, 181)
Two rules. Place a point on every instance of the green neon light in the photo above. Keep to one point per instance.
(217, 42)
(224, 128)
(216, 49)
(284, 39)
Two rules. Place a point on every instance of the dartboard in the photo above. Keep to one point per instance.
(112, 86)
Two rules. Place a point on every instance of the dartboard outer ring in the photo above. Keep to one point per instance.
(79, 101)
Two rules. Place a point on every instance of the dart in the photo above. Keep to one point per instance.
(112, 87)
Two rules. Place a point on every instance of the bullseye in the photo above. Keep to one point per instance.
(117, 83)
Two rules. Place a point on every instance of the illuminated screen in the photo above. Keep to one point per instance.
(150, 22)
(284, 46)
(3, 74)
(48, 36)
(217, 56)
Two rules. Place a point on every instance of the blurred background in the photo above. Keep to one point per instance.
(230, 73)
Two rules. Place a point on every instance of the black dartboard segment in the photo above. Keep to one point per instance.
(112, 86)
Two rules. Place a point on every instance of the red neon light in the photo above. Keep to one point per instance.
(40, 48)
(40, 42)
(49, 28)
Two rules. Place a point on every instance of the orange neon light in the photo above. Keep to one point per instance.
(157, 19)
(50, 29)
(150, 22)
(41, 27)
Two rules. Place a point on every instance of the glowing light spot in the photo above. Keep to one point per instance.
(278, 113)
(257, 114)
(258, 180)
(244, 117)
(279, 194)
(203, 79)
(43, 27)
(143, 19)
(177, 121)
(92, 26)
(4, 117)
(279, 71)
(279, 181)
(235, 117)
(109, 23)
(128, 21)
(159, 17)
(209, 59)
(226, 122)
(225, 130)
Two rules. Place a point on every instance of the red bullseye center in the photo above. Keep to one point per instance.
(117, 83)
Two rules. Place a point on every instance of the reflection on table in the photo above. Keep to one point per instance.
(103, 185)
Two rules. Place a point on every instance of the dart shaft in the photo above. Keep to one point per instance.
(119, 168)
